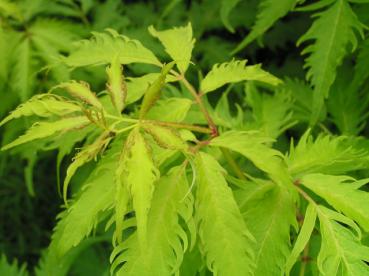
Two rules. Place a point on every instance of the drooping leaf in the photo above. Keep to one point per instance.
(235, 71)
(343, 193)
(341, 252)
(97, 196)
(178, 43)
(43, 106)
(139, 175)
(88, 153)
(333, 31)
(102, 48)
(168, 240)
(45, 129)
(225, 238)
(303, 237)
(269, 12)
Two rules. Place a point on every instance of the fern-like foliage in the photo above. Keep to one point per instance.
(327, 154)
(168, 240)
(11, 269)
(333, 32)
(226, 240)
(104, 47)
(81, 217)
(269, 13)
(269, 211)
(235, 71)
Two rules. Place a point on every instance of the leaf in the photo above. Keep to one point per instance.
(116, 85)
(333, 31)
(336, 190)
(303, 237)
(24, 71)
(43, 106)
(153, 92)
(235, 71)
(102, 48)
(81, 217)
(178, 43)
(88, 153)
(11, 269)
(270, 213)
(167, 236)
(361, 65)
(139, 175)
(81, 90)
(272, 114)
(226, 240)
(165, 137)
(327, 154)
(341, 252)
(226, 7)
(268, 14)
(170, 110)
(45, 129)
(252, 145)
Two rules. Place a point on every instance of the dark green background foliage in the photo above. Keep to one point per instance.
(300, 192)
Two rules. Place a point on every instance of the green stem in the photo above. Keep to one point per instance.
(180, 125)
(198, 100)
(234, 166)
(121, 119)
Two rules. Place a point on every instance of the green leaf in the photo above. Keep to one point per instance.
(23, 74)
(165, 137)
(77, 222)
(235, 71)
(341, 252)
(253, 146)
(170, 110)
(226, 240)
(163, 255)
(269, 12)
(102, 48)
(116, 85)
(88, 153)
(272, 114)
(43, 106)
(178, 43)
(225, 9)
(11, 269)
(139, 175)
(270, 213)
(336, 190)
(81, 90)
(45, 129)
(303, 237)
(153, 92)
(333, 31)
(327, 154)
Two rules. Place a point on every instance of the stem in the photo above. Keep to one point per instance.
(180, 125)
(234, 166)
(121, 119)
(198, 100)
(304, 260)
